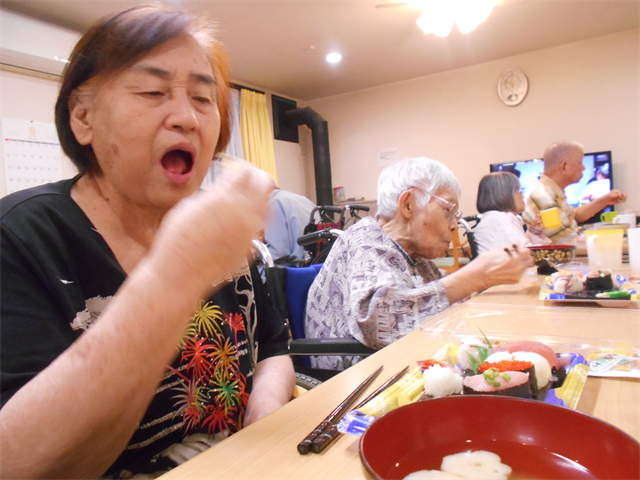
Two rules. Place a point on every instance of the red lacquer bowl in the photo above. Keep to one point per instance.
(536, 439)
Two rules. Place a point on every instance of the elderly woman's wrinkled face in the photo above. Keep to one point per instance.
(154, 126)
(431, 226)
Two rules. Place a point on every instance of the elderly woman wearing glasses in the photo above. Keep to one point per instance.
(378, 283)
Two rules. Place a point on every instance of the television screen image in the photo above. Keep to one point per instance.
(597, 178)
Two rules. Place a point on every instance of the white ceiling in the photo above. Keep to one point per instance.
(281, 45)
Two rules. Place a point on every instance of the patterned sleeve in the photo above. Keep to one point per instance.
(386, 302)
(532, 206)
(368, 291)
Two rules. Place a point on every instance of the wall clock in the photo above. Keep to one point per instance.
(513, 87)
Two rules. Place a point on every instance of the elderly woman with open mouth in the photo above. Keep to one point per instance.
(134, 332)
(378, 283)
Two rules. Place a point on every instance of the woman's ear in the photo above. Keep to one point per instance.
(80, 118)
(406, 204)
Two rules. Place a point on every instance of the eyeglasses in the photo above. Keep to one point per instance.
(451, 208)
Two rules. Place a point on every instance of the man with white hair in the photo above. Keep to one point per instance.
(563, 167)
(379, 283)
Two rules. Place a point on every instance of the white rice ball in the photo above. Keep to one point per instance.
(441, 381)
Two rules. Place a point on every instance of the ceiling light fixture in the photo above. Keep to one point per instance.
(439, 15)
(60, 59)
(334, 57)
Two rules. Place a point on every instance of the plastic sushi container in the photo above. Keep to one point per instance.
(499, 326)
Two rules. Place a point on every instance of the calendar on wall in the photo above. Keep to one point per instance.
(31, 154)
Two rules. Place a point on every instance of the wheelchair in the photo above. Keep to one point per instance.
(469, 223)
(318, 238)
(288, 288)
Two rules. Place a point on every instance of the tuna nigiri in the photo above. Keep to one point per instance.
(529, 346)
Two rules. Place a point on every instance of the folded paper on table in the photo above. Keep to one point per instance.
(614, 363)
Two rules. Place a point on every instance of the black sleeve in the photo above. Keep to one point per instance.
(34, 329)
(272, 331)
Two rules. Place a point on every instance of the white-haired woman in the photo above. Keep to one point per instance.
(500, 202)
(378, 283)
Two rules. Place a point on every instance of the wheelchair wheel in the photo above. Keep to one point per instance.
(322, 256)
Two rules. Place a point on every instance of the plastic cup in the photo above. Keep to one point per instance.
(604, 249)
(551, 218)
(629, 218)
(633, 235)
(608, 217)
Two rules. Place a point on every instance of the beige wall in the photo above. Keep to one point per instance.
(586, 91)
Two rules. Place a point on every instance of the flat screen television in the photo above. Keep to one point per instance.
(597, 178)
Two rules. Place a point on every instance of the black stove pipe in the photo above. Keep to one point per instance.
(321, 158)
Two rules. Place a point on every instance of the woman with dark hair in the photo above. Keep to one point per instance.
(134, 332)
(500, 201)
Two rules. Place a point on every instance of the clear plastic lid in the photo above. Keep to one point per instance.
(582, 331)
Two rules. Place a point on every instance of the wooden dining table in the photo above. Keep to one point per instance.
(267, 448)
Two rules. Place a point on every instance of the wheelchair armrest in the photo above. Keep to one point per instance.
(329, 346)
(314, 237)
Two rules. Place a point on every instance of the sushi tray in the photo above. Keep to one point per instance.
(477, 366)
(607, 289)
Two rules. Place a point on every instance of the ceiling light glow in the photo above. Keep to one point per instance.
(60, 59)
(334, 57)
(439, 15)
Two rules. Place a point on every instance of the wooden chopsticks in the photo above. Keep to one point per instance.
(304, 446)
(329, 435)
(327, 430)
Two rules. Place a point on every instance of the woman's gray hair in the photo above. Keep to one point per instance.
(496, 192)
(422, 172)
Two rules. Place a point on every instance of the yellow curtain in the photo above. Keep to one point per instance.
(257, 137)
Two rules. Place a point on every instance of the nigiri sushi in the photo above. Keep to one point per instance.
(493, 382)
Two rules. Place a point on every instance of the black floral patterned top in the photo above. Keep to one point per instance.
(58, 275)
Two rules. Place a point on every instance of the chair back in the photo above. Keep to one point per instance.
(297, 286)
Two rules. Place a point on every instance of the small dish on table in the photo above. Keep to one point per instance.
(557, 254)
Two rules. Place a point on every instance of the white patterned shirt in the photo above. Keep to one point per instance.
(502, 229)
(548, 194)
(371, 290)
